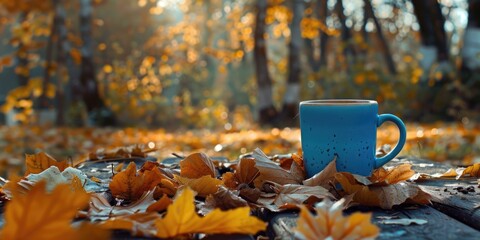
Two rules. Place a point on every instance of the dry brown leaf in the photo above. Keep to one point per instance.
(250, 194)
(130, 185)
(100, 208)
(323, 177)
(297, 194)
(37, 214)
(397, 174)
(230, 180)
(225, 200)
(182, 219)
(197, 165)
(118, 168)
(329, 223)
(37, 163)
(382, 196)
(270, 171)
(246, 171)
(203, 186)
(160, 205)
(139, 224)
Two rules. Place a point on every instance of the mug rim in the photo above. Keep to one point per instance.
(339, 102)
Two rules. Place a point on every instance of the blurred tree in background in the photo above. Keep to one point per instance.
(192, 63)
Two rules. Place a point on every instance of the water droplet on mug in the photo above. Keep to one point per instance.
(334, 135)
(328, 150)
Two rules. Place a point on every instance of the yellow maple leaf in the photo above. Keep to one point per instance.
(38, 214)
(181, 219)
(329, 223)
(37, 163)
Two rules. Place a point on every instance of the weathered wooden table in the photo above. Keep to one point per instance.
(454, 213)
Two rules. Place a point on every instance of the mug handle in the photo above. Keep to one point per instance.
(401, 141)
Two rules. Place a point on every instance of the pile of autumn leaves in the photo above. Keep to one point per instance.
(166, 202)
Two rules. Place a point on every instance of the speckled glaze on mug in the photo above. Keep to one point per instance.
(345, 128)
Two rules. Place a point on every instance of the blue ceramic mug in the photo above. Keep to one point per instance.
(346, 129)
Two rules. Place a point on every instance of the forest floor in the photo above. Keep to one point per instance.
(458, 143)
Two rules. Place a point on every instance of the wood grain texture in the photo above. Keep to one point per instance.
(439, 225)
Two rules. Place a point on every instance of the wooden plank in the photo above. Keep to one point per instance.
(449, 195)
(439, 225)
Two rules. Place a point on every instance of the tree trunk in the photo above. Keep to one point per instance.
(291, 97)
(471, 45)
(98, 113)
(43, 101)
(63, 48)
(432, 32)
(267, 111)
(322, 8)
(321, 12)
(346, 34)
(381, 38)
(470, 70)
(22, 58)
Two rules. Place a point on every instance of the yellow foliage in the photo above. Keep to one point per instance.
(182, 219)
(329, 223)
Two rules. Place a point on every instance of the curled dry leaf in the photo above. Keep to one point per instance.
(53, 176)
(329, 223)
(37, 163)
(100, 208)
(472, 171)
(323, 177)
(197, 165)
(397, 174)
(270, 171)
(160, 205)
(382, 196)
(246, 171)
(139, 224)
(130, 185)
(297, 194)
(203, 186)
(38, 213)
(225, 200)
(181, 219)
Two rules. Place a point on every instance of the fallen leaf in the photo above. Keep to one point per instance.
(160, 205)
(246, 171)
(382, 196)
(37, 163)
(88, 231)
(404, 221)
(38, 214)
(230, 180)
(197, 165)
(270, 171)
(118, 168)
(100, 208)
(53, 177)
(323, 177)
(225, 200)
(329, 223)
(397, 174)
(203, 186)
(250, 194)
(297, 194)
(182, 219)
(472, 171)
(138, 224)
(130, 185)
